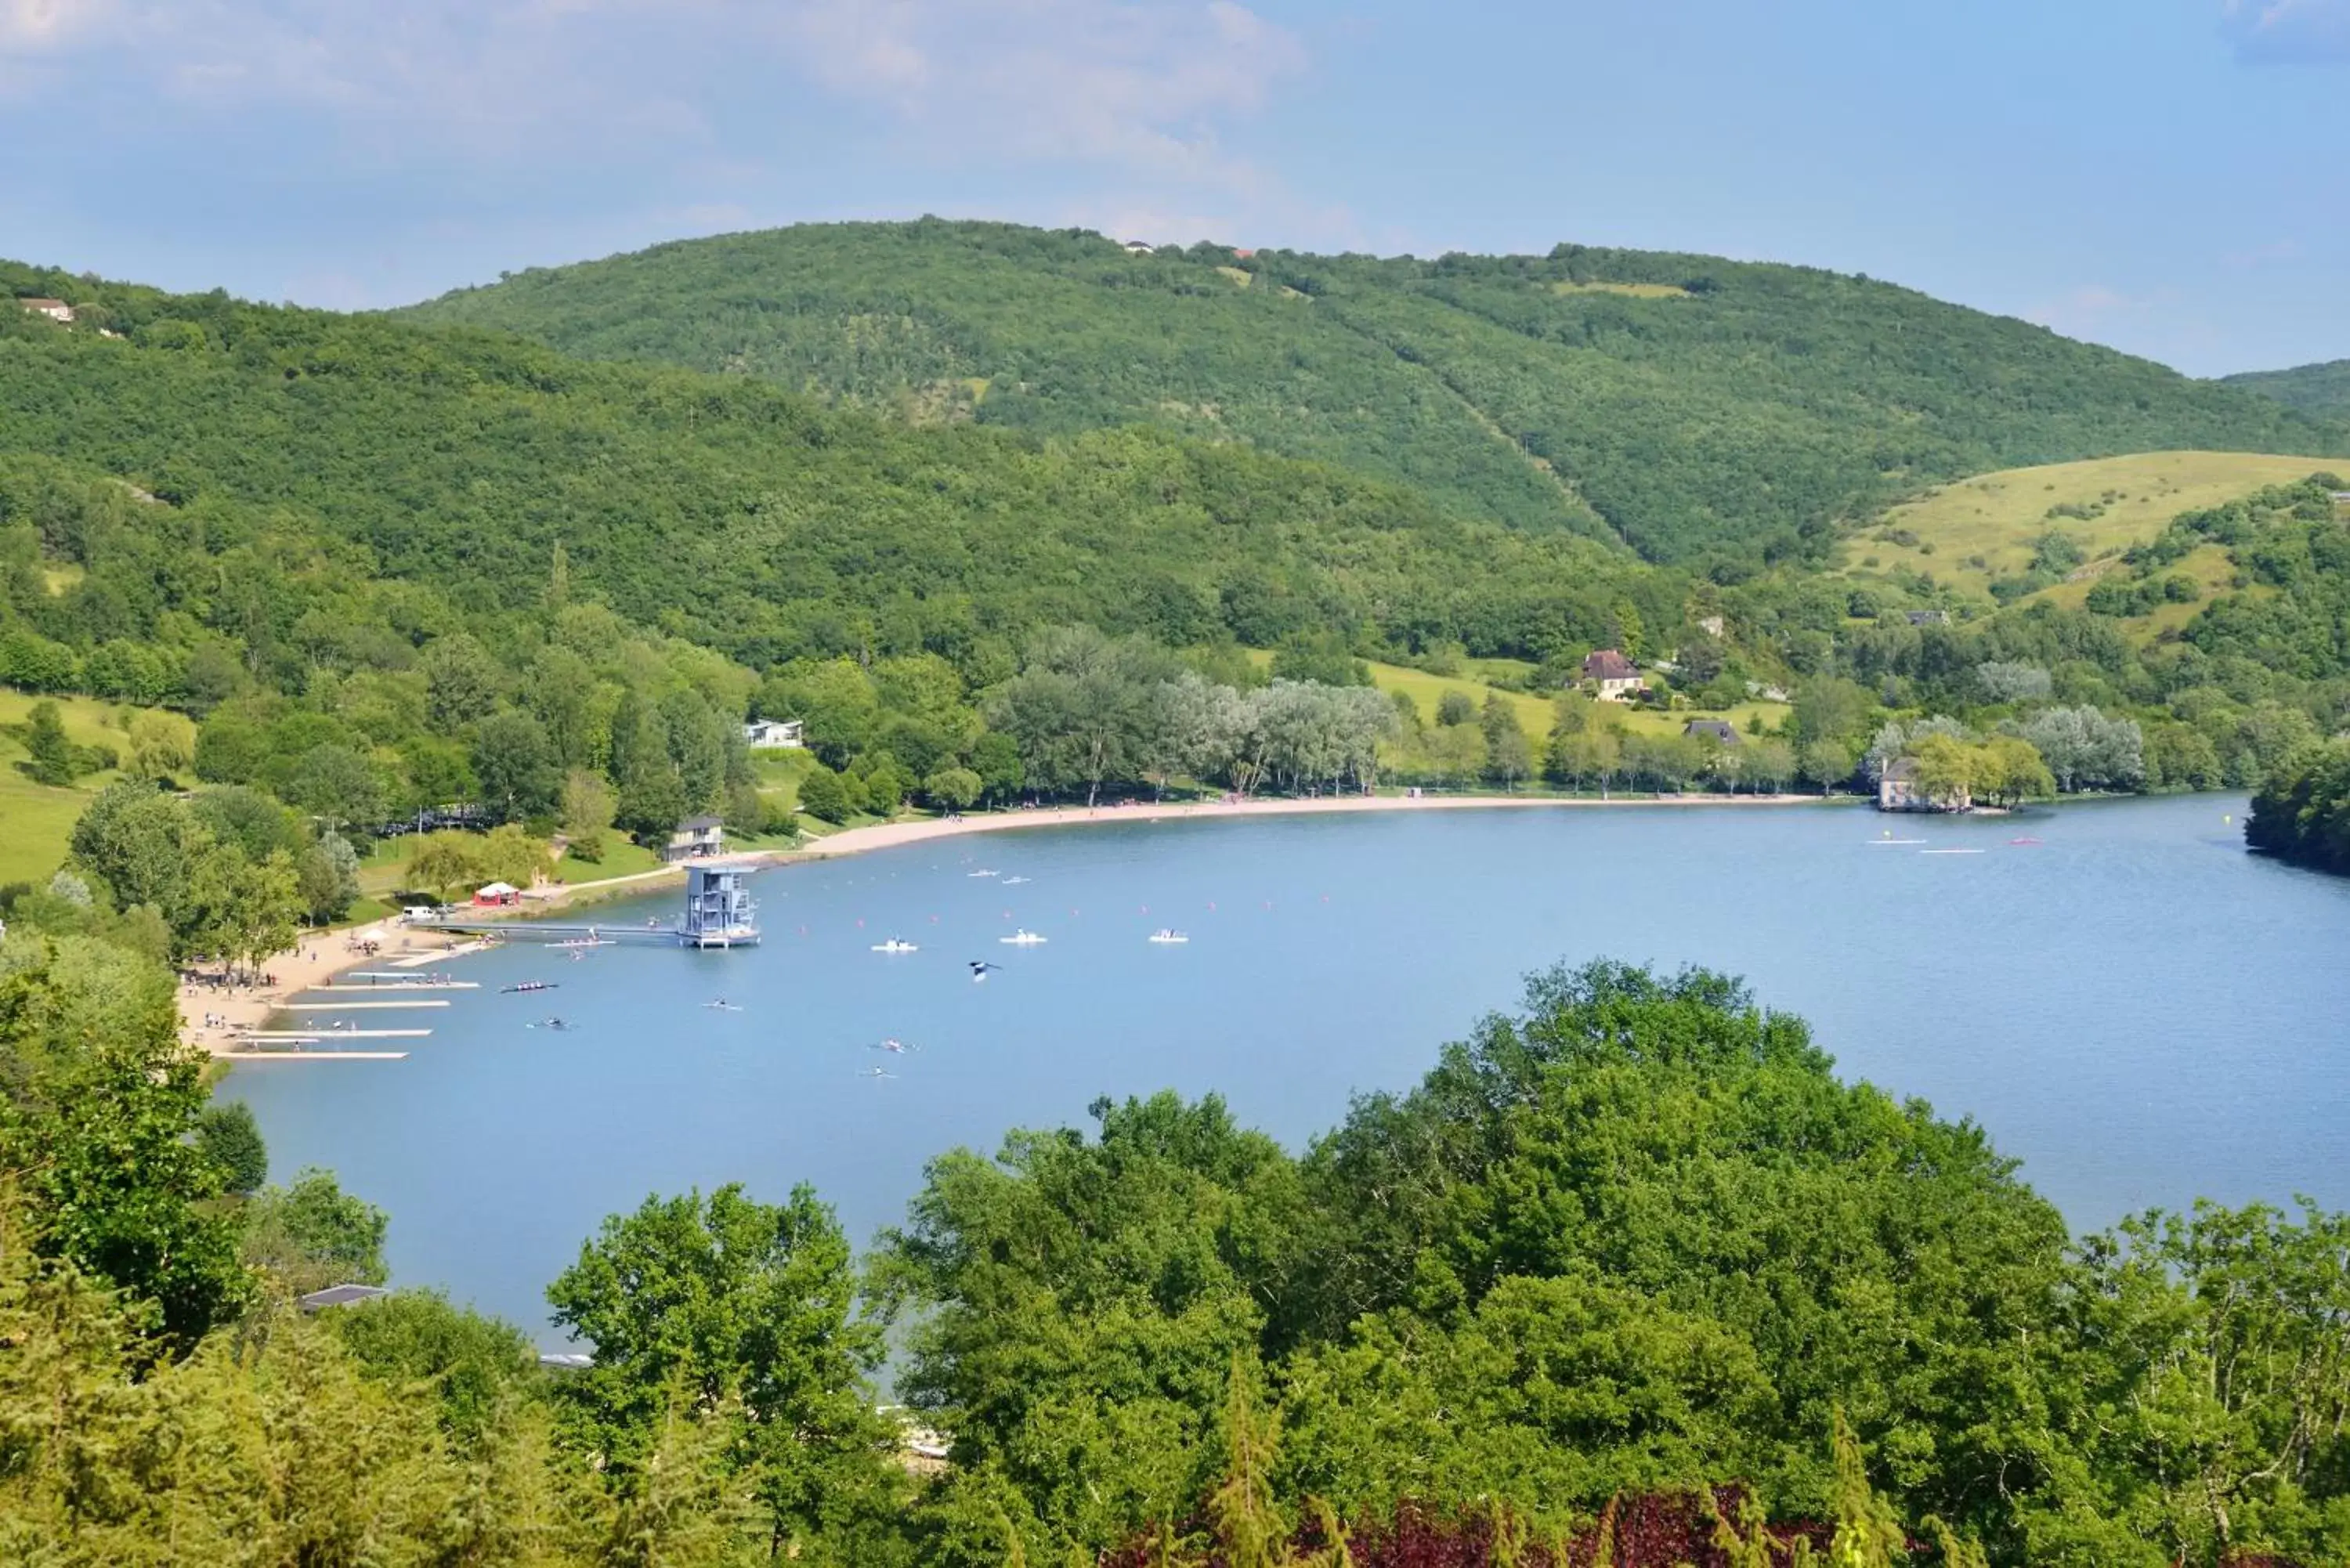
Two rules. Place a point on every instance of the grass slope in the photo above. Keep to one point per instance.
(1965, 535)
(36, 820)
(1689, 405)
(2321, 390)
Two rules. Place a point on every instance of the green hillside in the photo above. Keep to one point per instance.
(1694, 407)
(2320, 389)
(745, 518)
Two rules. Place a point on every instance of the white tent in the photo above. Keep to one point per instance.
(497, 891)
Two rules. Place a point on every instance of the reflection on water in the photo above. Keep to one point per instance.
(2136, 1007)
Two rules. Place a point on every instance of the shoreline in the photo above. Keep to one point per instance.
(211, 1018)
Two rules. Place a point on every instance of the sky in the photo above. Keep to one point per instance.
(2170, 177)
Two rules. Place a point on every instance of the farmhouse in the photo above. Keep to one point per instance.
(1721, 730)
(774, 734)
(55, 309)
(696, 838)
(1612, 676)
(1899, 790)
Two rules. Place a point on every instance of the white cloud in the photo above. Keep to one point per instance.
(1139, 84)
(2288, 32)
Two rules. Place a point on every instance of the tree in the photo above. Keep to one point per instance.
(953, 789)
(516, 766)
(2085, 748)
(232, 1139)
(1455, 707)
(726, 1299)
(101, 1124)
(337, 786)
(1830, 709)
(161, 745)
(246, 911)
(140, 844)
(1509, 758)
(507, 853)
(585, 814)
(461, 682)
(50, 757)
(1826, 763)
(444, 863)
(311, 1234)
(821, 795)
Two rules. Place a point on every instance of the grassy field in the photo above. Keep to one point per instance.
(35, 821)
(1535, 712)
(1968, 532)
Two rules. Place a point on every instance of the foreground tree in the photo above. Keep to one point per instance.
(725, 1301)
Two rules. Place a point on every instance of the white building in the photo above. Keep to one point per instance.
(773, 734)
(55, 309)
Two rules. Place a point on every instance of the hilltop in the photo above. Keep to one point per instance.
(2320, 389)
(1699, 410)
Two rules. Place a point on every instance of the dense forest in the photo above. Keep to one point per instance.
(2301, 812)
(2320, 389)
(1705, 410)
(1630, 1278)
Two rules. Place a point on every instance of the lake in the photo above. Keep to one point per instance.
(2135, 1006)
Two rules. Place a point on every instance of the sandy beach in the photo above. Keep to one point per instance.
(888, 835)
(213, 1017)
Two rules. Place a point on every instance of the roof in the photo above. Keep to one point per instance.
(699, 824)
(1607, 664)
(1720, 729)
(495, 890)
(43, 303)
(1901, 768)
(565, 1360)
(338, 1295)
(1928, 617)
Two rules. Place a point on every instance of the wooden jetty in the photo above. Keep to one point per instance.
(301, 1056)
(404, 983)
(300, 1036)
(358, 1006)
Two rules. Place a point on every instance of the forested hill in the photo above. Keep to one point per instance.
(729, 512)
(1692, 406)
(2320, 389)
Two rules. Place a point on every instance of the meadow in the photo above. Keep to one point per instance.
(1967, 533)
(35, 819)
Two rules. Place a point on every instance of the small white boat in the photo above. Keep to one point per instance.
(982, 872)
(1169, 936)
(896, 945)
(1013, 882)
(1023, 938)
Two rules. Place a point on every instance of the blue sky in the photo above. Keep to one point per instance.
(2171, 177)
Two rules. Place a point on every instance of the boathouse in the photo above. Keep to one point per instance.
(1898, 790)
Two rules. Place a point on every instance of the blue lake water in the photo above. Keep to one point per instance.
(2135, 1006)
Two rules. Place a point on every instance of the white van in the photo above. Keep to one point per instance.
(415, 913)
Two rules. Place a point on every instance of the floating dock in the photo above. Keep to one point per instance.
(338, 984)
(314, 1057)
(356, 1006)
(313, 1037)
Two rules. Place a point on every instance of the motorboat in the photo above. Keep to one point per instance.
(896, 945)
(1166, 935)
(1023, 938)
